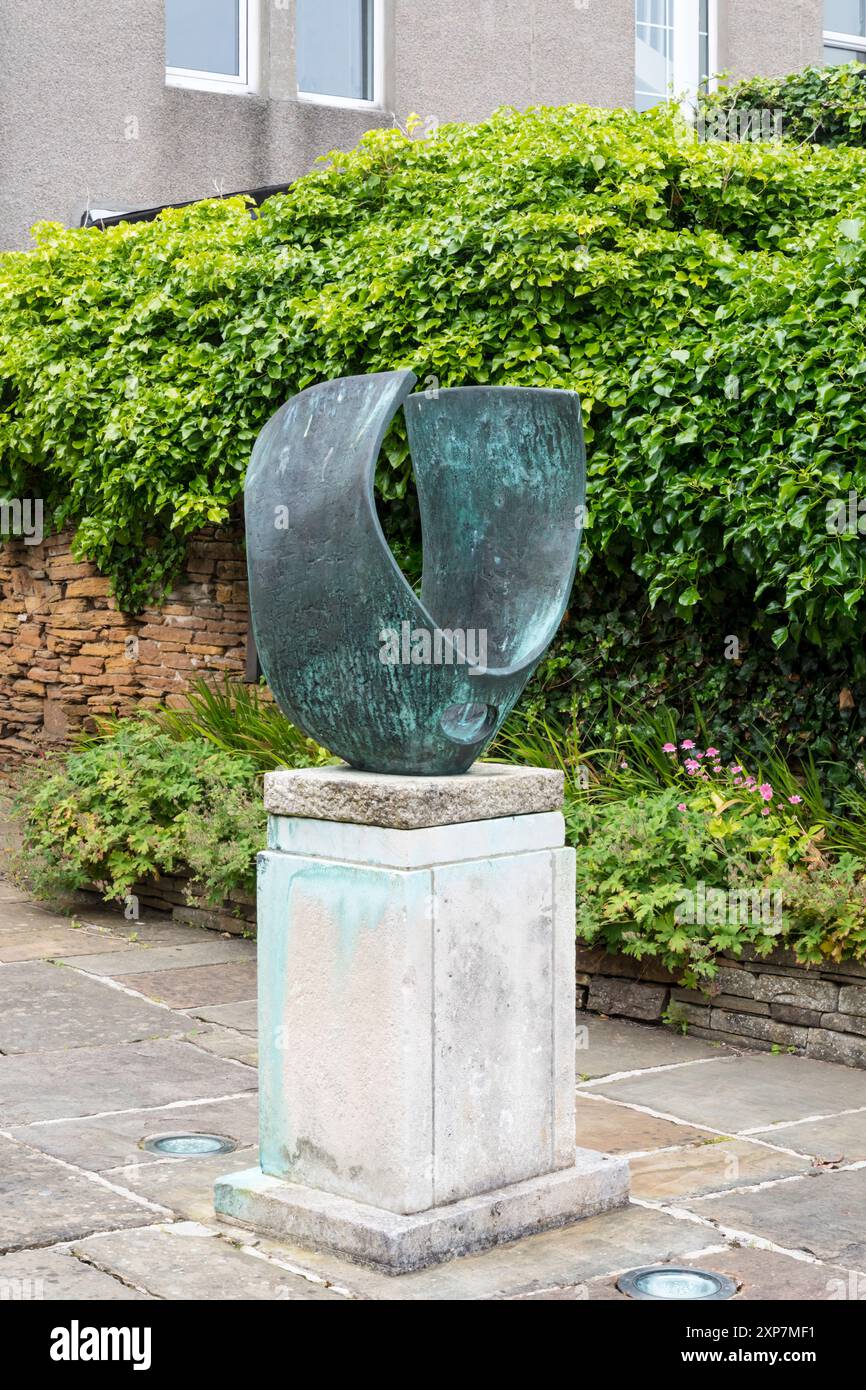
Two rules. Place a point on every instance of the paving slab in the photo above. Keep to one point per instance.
(226, 1042)
(96, 1080)
(101, 1145)
(42, 1203)
(46, 941)
(842, 1137)
(49, 1275)
(202, 984)
(606, 1045)
(616, 1241)
(190, 1261)
(615, 1129)
(184, 1185)
(241, 1016)
(709, 1167)
(822, 1214)
(152, 929)
(755, 1090)
(47, 1007)
(125, 958)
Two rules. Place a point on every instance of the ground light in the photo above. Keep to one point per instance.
(189, 1145)
(673, 1282)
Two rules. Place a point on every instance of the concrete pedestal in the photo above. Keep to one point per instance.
(416, 1018)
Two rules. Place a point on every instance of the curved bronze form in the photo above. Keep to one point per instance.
(389, 681)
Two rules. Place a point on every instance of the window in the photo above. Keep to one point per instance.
(675, 43)
(212, 44)
(338, 45)
(844, 31)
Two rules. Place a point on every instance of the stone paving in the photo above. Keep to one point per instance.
(111, 1032)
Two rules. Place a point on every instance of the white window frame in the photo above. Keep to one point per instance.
(377, 101)
(246, 81)
(685, 33)
(712, 45)
(857, 42)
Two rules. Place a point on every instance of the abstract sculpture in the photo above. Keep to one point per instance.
(389, 681)
(415, 933)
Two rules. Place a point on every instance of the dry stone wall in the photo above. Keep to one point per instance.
(67, 654)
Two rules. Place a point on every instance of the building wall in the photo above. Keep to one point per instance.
(458, 61)
(87, 120)
(769, 39)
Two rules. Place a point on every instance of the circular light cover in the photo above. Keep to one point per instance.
(189, 1145)
(674, 1282)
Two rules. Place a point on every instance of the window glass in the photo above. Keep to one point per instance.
(203, 35)
(334, 41)
(845, 17)
(653, 52)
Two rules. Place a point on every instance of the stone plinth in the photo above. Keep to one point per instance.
(416, 1018)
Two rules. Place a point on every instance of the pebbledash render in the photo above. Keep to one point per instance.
(137, 103)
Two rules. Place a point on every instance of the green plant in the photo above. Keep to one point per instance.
(704, 299)
(818, 105)
(133, 804)
(674, 1017)
(238, 718)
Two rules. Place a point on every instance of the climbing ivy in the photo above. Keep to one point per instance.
(705, 299)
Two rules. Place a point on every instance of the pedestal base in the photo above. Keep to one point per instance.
(398, 1244)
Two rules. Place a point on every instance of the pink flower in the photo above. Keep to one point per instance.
(766, 811)
(795, 800)
(669, 748)
(738, 781)
(698, 753)
(735, 767)
(692, 766)
(717, 767)
(766, 791)
(712, 752)
(682, 806)
(687, 743)
(623, 763)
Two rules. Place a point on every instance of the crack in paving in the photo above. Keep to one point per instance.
(748, 1136)
(88, 1173)
(91, 1261)
(651, 1071)
(291, 1268)
(133, 1110)
(736, 1237)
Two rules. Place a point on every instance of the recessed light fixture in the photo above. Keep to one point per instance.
(189, 1145)
(674, 1282)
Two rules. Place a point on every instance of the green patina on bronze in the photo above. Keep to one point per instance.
(386, 680)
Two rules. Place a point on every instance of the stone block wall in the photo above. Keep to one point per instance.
(760, 1002)
(170, 894)
(67, 654)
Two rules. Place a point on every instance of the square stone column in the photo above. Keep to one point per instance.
(416, 1017)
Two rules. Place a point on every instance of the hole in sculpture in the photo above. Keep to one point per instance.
(397, 507)
(468, 723)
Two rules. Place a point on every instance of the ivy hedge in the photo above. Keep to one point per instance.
(705, 300)
(817, 106)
